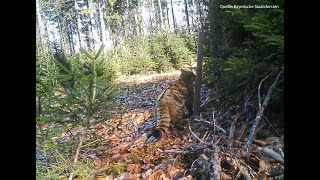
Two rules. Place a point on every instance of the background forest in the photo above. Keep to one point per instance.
(84, 47)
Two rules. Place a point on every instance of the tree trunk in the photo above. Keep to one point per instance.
(168, 14)
(153, 16)
(142, 26)
(200, 15)
(70, 38)
(196, 104)
(194, 11)
(187, 14)
(173, 18)
(160, 13)
(102, 26)
(91, 41)
(40, 23)
(79, 24)
(136, 23)
(61, 35)
(151, 10)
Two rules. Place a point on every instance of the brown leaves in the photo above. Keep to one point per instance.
(264, 166)
(134, 168)
(158, 176)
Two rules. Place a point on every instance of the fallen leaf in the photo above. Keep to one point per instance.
(138, 168)
(155, 176)
(130, 167)
(116, 157)
(147, 174)
(264, 166)
(126, 176)
(100, 178)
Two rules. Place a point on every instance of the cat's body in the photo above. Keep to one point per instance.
(171, 103)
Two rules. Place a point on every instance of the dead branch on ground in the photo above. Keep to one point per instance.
(262, 107)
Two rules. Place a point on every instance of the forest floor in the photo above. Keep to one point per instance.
(203, 150)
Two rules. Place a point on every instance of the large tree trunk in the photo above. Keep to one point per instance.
(196, 104)
(194, 12)
(200, 14)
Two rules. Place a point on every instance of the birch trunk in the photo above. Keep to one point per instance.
(40, 23)
(102, 25)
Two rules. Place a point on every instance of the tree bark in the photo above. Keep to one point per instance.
(70, 38)
(142, 26)
(40, 24)
(160, 13)
(103, 35)
(169, 15)
(92, 41)
(173, 18)
(79, 24)
(194, 11)
(196, 104)
(187, 14)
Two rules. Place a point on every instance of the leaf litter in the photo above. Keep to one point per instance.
(200, 151)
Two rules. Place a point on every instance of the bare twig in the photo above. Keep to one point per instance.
(267, 121)
(90, 143)
(262, 108)
(196, 136)
(214, 126)
(281, 152)
(242, 170)
(232, 128)
(271, 125)
(259, 97)
(220, 128)
(183, 151)
(176, 151)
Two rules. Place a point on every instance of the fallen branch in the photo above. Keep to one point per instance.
(271, 154)
(215, 163)
(262, 107)
(242, 170)
(232, 128)
(197, 136)
(184, 151)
